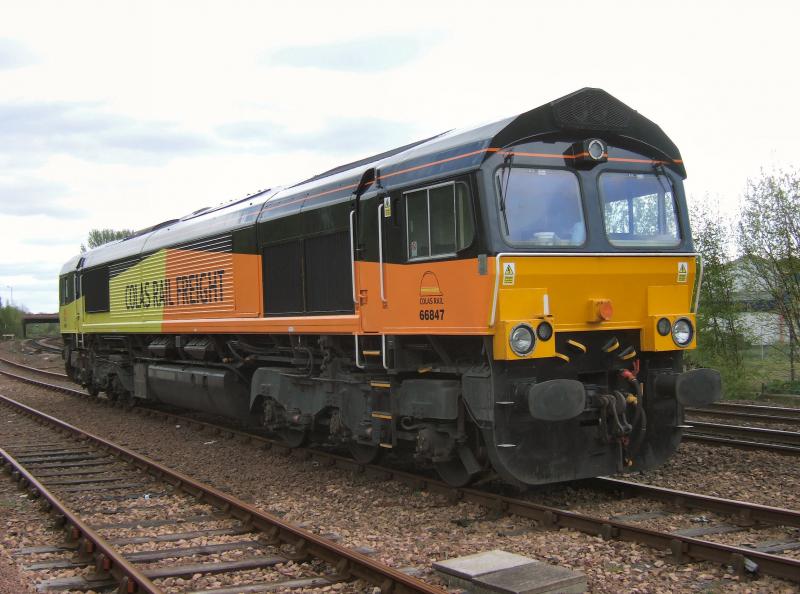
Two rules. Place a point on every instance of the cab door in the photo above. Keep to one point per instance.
(362, 245)
(69, 310)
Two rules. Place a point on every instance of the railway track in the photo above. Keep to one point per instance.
(46, 344)
(42, 344)
(85, 480)
(746, 436)
(760, 556)
(785, 415)
(44, 372)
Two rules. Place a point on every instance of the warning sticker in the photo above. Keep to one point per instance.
(387, 207)
(683, 271)
(509, 273)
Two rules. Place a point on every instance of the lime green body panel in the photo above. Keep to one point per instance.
(135, 303)
(68, 316)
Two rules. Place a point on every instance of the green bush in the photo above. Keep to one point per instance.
(11, 320)
(782, 387)
(737, 380)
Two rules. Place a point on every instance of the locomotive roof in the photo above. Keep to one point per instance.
(587, 112)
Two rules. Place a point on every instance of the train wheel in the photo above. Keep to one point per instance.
(454, 473)
(364, 454)
(294, 438)
(92, 390)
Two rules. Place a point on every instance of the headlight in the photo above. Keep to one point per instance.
(663, 326)
(522, 339)
(682, 332)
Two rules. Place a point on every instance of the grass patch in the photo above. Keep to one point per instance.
(782, 387)
(761, 368)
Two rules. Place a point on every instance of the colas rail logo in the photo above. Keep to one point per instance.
(431, 299)
(429, 291)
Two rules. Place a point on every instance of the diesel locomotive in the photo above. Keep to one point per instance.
(511, 300)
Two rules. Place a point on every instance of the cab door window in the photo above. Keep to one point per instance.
(417, 221)
(439, 221)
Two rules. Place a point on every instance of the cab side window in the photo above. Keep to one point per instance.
(66, 289)
(417, 221)
(439, 220)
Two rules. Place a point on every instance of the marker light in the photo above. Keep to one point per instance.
(596, 149)
(588, 152)
(663, 326)
(544, 331)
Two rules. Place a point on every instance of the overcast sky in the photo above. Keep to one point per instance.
(123, 114)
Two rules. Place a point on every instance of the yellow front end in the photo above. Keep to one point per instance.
(592, 293)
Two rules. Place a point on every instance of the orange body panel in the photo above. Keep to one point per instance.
(221, 292)
(445, 297)
(448, 297)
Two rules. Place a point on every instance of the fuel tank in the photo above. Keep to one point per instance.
(216, 391)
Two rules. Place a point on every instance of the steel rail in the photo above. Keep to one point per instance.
(107, 557)
(743, 416)
(741, 444)
(793, 398)
(750, 412)
(46, 372)
(742, 511)
(682, 547)
(719, 429)
(42, 344)
(753, 408)
(46, 385)
(346, 561)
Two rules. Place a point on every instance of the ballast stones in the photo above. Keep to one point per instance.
(494, 572)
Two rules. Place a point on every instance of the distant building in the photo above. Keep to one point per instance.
(760, 320)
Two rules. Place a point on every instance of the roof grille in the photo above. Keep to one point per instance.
(591, 109)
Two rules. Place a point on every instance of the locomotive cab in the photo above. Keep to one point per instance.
(593, 305)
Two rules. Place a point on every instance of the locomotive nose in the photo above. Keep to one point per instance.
(556, 400)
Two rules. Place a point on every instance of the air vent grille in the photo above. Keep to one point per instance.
(591, 109)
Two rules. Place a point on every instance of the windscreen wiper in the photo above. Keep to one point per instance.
(503, 190)
(658, 168)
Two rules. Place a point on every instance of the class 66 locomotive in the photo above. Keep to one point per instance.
(510, 301)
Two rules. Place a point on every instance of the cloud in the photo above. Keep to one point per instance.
(260, 132)
(38, 270)
(30, 197)
(346, 136)
(13, 54)
(86, 131)
(359, 55)
(49, 240)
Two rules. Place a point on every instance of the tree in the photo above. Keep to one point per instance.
(98, 237)
(769, 239)
(11, 319)
(717, 316)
